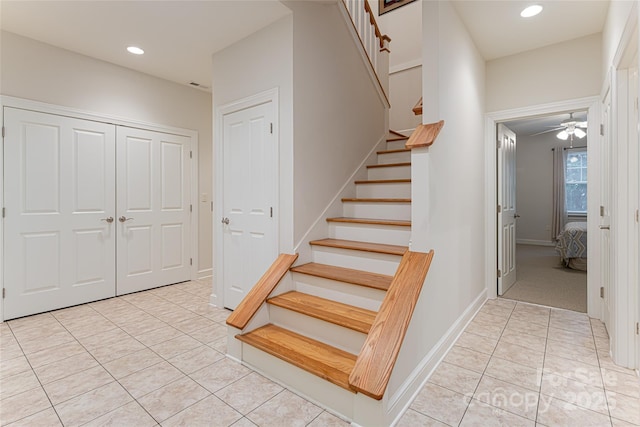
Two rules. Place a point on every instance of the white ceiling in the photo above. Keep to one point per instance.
(528, 127)
(178, 37)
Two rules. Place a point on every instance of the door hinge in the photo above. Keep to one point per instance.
(190, 261)
(602, 130)
(601, 210)
(4, 293)
(270, 127)
(637, 215)
(271, 212)
(637, 328)
(498, 144)
(499, 208)
(190, 208)
(499, 274)
(211, 206)
(3, 131)
(191, 154)
(601, 292)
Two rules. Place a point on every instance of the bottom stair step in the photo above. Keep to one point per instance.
(325, 361)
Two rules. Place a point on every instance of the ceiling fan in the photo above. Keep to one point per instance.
(568, 129)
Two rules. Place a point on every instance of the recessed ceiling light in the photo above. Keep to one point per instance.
(531, 11)
(135, 50)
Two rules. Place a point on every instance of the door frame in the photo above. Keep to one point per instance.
(591, 104)
(272, 96)
(42, 107)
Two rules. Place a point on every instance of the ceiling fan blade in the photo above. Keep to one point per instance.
(581, 124)
(547, 131)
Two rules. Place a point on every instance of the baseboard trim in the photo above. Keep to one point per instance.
(534, 242)
(205, 274)
(407, 393)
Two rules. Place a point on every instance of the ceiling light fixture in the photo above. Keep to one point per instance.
(531, 11)
(135, 50)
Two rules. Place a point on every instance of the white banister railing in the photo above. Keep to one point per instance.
(375, 44)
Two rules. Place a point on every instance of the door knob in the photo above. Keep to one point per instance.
(604, 227)
(516, 216)
(225, 221)
(108, 219)
(124, 218)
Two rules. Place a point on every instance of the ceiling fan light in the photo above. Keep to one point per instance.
(563, 135)
(580, 133)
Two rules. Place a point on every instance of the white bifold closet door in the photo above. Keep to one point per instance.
(59, 242)
(93, 210)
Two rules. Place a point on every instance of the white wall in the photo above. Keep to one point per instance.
(338, 116)
(534, 184)
(568, 70)
(41, 72)
(455, 187)
(617, 16)
(404, 26)
(405, 89)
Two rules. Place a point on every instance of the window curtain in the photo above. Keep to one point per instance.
(559, 217)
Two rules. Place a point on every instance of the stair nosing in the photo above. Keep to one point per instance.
(358, 325)
(371, 221)
(341, 276)
(389, 165)
(384, 181)
(398, 150)
(380, 248)
(374, 200)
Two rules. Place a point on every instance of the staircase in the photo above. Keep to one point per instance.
(317, 326)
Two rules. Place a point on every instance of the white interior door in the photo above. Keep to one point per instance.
(249, 240)
(604, 239)
(507, 209)
(59, 243)
(153, 217)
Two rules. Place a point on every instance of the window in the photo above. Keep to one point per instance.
(575, 181)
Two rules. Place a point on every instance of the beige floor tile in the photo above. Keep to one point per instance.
(73, 313)
(46, 418)
(607, 364)
(555, 412)
(480, 414)
(496, 310)
(196, 359)
(532, 310)
(36, 321)
(90, 327)
(177, 315)
(326, 419)
(523, 339)
(509, 397)
(575, 392)
(210, 334)
(441, 404)
(285, 408)
(623, 407)
(484, 329)
(514, 373)
(220, 374)
(158, 336)
(574, 338)
(14, 366)
(477, 342)
(248, 393)
(129, 415)
(490, 319)
(175, 346)
(47, 342)
(10, 351)
(413, 418)
(219, 345)
(541, 320)
(615, 381)
(467, 358)
(44, 331)
(22, 405)
(149, 324)
(576, 352)
(527, 327)
(243, 422)
(77, 384)
(65, 367)
(501, 302)
(131, 363)
(172, 398)
(102, 339)
(619, 423)
(91, 405)
(455, 378)
(573, 369)
(202, 412)
(18, 383)
(219, 315)
(55, 354)
(579, 327)
(518, 354)
(150, 379)
(107, 353)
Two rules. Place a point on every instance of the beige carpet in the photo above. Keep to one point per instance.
(541, 279)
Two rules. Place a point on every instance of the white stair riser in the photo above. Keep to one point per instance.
(337, 336)
(387, 234)
(346, 293)
(396, 145)
(400, 211)
(307, 385)
(384, 191)
(401, 157)
(392, 172)
(358, 260)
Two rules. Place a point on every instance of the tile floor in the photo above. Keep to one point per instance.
(157, 358)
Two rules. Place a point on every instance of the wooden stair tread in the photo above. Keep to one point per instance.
(384, 181)
(361, 246)
(346, 275)
(348, 316)
(395, 133)
(395, 222)
(373, 200)
(389, 165)
(397, 138)
(325, 361)
(400, 150)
